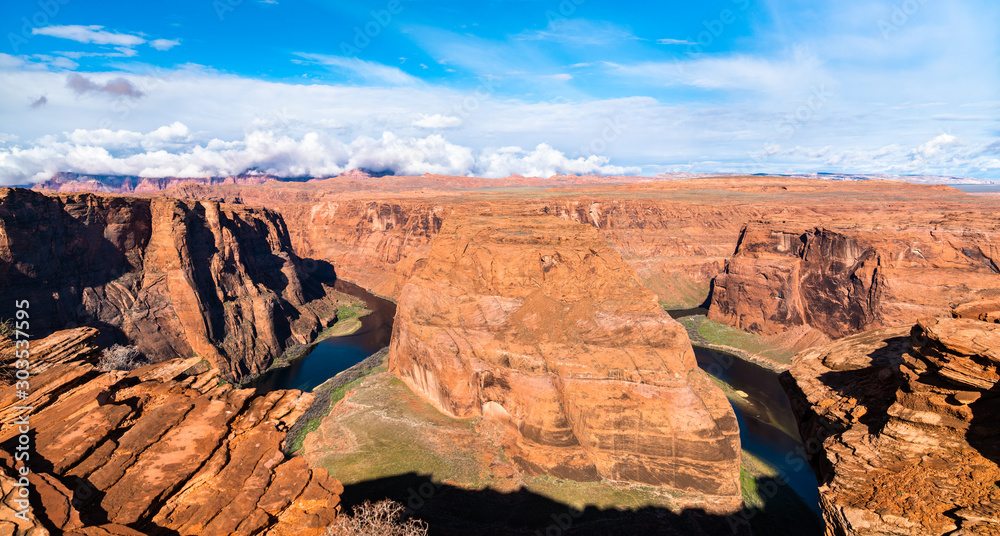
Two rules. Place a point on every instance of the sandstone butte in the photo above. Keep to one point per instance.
(904, 428)
(177, 278)
(535, 322)
(164, 449)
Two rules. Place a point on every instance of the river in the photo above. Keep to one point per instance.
(336, 354)
(767, 426)
(768, 429)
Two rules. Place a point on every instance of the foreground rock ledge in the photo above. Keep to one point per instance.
(165, 449)
(535, 322)
(905, 427)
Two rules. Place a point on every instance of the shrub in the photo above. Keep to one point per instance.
(119, 357)
(379, 519)
(6, 328)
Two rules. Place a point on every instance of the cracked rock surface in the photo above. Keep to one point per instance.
(164, 449)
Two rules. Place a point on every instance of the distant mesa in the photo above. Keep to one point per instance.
(127, 184)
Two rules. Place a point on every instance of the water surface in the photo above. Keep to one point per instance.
(768, 429)
(336, 354)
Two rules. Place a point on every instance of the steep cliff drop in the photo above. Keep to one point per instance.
(903, 427)
(842, 279)
(177, 278)
(164, 449)
(537, 323)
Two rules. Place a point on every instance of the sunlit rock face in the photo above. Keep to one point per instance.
(853, 273)
(163, 449)
(536, 322)
(903, 426)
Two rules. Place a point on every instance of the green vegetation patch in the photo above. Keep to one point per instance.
(772, 507)
(310, 426)
(351, 310)
(381, 429)
(602, 494)
(393, 432)
(712, 332)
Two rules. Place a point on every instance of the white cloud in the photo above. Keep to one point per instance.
(943, 154)
(935, 147)
(543, 161)
(367, 71)
(675, 42)
(164, 44)
(89, 34)
(437, 121)
(775, 77)
(105, 138)
(871, 121)
(578, 32)
(169, 151)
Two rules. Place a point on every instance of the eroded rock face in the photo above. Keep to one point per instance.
(845, 279)
(535, 322)
(985, 310)
(677, 235)
(179, 278)
(904, 425)
(165, 449)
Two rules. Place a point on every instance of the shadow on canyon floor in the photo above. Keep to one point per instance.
(453, 511)
(984, 428)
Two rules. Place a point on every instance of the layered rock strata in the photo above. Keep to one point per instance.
(535, 322)
(903, 427)
(677, 235)
(165, 449)
(845, 278)
(178, 278)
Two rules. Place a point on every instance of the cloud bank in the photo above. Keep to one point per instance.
(171, 151)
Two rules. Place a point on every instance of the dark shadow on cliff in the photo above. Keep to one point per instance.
(453, 511)
(984, 428)
(61, 251)
(201, 247)
(874, 386)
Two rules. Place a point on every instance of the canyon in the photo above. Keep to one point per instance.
(780, 250)
(538, 306)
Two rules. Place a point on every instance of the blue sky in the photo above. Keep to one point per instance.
(214, 87)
